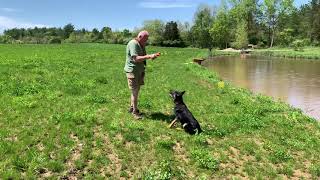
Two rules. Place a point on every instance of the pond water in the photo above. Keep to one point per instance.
(294, 81)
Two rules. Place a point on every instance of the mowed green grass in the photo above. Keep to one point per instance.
(63, 113)
(305, 53)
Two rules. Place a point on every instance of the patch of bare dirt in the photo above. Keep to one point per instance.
(299, 174)
(101, 111)
(230, 50)
(40, 147)
(284, 177)
(236, 163)
(119, 137)
(258, 142)
(115, 165)
(128, 144)
(72, 171)
(205, 84)
(210, 141)
(234, 151)
(180, 152)
(12, 138)
(44, 173)
(238, 176)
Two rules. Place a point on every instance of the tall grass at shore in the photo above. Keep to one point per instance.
(304, 53)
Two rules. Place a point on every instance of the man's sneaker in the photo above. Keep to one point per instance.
(137, 115)
(130, 110)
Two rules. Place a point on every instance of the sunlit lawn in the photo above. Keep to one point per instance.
(63, 113)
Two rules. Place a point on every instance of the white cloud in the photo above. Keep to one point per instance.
(164, 4)
(9, 10)
(8, 23)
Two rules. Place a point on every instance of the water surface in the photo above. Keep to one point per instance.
(294, 81)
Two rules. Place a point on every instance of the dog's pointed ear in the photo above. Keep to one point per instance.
(182, 93)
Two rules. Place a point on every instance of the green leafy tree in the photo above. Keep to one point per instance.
(241, 40)
(83, 31)
(202, 23)
(87, 37)
(15, 33)
(54, 40)
(73, 38)
(315, 21)
(126, 33)
(273, 10)
(220, 30)
(171, 31)
(155, 29)
(106, 34)
(286, 37)
(244, 11)
(185, 33)
(68, 29)
(117, 38)
(305, 21)
(95, 35)
(172, 36)
(127, 36)
(6, 39)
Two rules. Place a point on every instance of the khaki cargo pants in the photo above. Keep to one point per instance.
(135, 80)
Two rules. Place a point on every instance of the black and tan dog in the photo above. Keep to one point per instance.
(183, 115)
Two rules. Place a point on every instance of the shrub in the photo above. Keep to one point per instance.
(54, 40)
(285, 37)
(297, 45)
(6, 39)
(174, 43)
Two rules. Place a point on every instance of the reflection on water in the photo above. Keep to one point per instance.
(294, 81)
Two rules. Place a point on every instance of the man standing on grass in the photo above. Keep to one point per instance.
(136, 57)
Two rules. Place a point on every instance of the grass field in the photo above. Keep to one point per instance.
(63, 113)
(306, 53)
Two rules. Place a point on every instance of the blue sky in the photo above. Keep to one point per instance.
(117, 14)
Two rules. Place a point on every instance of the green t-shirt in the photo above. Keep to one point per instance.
(134, 49)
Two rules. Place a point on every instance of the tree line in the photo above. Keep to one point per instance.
(236, 23)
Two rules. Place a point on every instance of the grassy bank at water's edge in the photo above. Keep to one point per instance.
(305, 53)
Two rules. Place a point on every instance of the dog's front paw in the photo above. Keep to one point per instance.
(173, 123)
(184, 125)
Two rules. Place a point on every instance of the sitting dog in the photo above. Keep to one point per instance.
(182, 113)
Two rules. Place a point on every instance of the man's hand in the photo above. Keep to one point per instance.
(148, 56)
(158, 54)
(153, 56)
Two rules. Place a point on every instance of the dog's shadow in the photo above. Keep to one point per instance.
(159, 116)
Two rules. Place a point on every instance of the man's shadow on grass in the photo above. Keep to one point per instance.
(159, 116)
